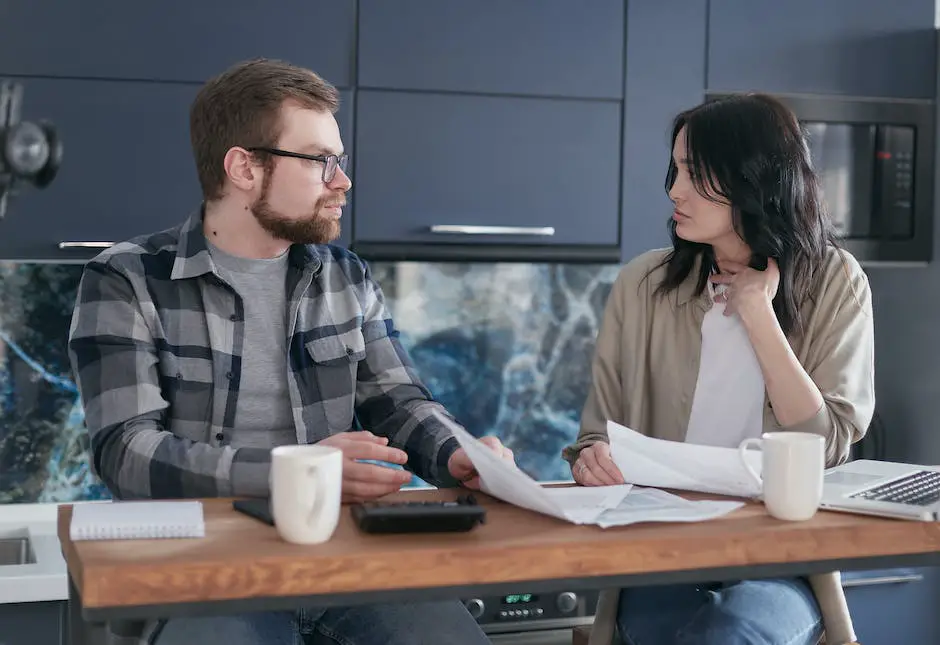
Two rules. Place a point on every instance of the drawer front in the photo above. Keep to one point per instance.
(532, 47)
(173, 40)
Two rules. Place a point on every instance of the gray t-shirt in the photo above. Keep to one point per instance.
(263, 405)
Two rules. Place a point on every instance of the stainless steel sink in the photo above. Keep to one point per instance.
(16, 551)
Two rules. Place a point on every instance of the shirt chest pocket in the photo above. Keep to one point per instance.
(336, 366)
(188, 386)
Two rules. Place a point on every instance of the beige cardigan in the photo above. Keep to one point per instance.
(646, 365)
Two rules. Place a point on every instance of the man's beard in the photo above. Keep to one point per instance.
(308, 229)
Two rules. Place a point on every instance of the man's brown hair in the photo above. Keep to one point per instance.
(241, 107)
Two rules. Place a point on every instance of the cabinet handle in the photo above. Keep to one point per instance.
(461, 229)
(882, 580)
(85, 245)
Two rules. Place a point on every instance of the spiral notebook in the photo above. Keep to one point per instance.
(145, 520)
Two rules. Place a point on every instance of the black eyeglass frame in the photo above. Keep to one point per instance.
(330, 162)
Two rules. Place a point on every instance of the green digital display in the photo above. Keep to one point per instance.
(519, 598)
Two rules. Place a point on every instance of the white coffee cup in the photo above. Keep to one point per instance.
(306, 486)
(792, 465)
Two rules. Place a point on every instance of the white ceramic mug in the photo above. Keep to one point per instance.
(792, 465)
(306, 487)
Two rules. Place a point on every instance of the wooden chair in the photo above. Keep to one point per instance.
(581, 635)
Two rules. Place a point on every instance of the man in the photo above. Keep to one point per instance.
(200, 348)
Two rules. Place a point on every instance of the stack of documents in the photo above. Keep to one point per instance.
(604, 506)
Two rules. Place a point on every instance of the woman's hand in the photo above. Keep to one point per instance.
(594, 467)
(748, 290)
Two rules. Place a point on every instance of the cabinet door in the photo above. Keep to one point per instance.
(431, 160)
(893, 605)
(853, 47)
(541, 47)
(33, 623)
(127, 167)
(173, 39)
(649, 108)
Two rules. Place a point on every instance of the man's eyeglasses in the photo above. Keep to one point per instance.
(330, 162)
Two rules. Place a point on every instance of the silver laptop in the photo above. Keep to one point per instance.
(883, 488)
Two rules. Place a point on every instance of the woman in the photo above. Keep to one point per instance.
(754, 321)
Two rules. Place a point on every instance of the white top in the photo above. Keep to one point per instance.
(728, 404)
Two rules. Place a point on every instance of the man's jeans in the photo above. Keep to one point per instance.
(752, 612)
(431, 623)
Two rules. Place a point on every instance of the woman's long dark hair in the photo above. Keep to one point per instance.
(750, 151)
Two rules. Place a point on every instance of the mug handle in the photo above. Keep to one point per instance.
(315, 474)
(742, 448)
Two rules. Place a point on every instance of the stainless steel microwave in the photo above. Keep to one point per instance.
(875, 160)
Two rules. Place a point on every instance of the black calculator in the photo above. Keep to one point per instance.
(419, 517)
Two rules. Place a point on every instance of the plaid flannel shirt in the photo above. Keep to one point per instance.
(156, 348)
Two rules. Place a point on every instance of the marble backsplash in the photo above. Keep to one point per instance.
(506, 347)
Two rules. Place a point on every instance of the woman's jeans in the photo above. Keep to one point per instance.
(751, 612)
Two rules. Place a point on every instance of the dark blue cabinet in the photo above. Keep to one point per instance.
(530, 47)
(853, 47)
(425, 161)
(537, 115)
(893, 606)
(173, 40)
(127, 167)
(32, 623)
(663, 77)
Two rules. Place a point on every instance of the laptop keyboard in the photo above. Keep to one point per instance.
(918, 489)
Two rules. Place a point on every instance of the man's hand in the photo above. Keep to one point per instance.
(595, 467)
(364, 482)
(461, 468)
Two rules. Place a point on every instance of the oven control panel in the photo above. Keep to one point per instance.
(555, 608)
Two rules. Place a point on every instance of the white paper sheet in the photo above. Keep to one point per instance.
(604, 506)
(584, 505)
(654, 505)
(645, 461)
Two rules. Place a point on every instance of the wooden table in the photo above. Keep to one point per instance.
(242, 565)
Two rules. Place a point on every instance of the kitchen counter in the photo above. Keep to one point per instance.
(45, 578)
